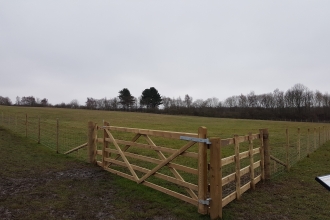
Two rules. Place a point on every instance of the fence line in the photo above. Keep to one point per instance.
(298, 144)
(227, 177)
(58, 135)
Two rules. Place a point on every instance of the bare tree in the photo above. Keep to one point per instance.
(74, 103)
(188, 100)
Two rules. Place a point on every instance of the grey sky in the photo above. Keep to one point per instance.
(65, 50)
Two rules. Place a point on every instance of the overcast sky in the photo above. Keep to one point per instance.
(65, 50)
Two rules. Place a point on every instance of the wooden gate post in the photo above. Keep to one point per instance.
(91, 143)
(105, 154)
(215, 179)
(202, 171)
(266, 150)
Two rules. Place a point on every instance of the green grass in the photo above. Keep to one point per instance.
(37, 183)
(73, 129)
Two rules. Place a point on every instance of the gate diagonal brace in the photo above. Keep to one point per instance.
(199, 140)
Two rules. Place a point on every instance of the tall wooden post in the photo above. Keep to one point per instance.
(57, 135)
(299, 156)
(308, 142)
(1, 117)
(262, 156)
(105, 154)
(323, 135)
(92, 136)
(215, 179)
(287, 150)
(237, 168)
(38, 129)
(26, 125)
(253, 186)
(319, 137)
(202, 171)
(266, 150)
(314, 138)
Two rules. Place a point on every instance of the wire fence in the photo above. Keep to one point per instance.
(58, 135)
(62, 136)
(297, 145)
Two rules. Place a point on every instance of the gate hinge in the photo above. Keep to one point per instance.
(205, 202)
(199, 140)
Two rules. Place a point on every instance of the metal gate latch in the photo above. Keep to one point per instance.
(199, 140)
(205, 202)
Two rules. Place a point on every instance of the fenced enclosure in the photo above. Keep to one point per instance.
(208, 174)
(195, 172)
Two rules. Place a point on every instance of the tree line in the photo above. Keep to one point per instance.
(297, 103)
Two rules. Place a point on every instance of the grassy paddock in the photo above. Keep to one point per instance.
(73, 129)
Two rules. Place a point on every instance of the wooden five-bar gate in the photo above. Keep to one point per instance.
(193, 170)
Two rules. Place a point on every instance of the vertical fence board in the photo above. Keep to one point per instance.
(91, 144)
(202, 171)
(237, 168)
(287, 150)
(215, 179)
(253, 186)
(298, 145)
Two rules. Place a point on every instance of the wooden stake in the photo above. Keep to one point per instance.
(105, 154)
(287, 150)
(265, 138)
(91, 143)
(215, 179)
(202, 170)
(26, 125)
(314, 138)
(262, 156)
(319, 137)
(237, 168)
(39, 130)
(253, 186)
(298, 144)
(308, 144)
(57, 134)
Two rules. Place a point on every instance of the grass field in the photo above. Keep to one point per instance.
(37, 183)
(73, 126)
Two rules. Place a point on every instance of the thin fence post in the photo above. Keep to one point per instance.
(202, 171)
(26, 125)
(262, 156)
(299, 156)
(215, 179)
(266, 147)
(253, 186)
(314, 138)
(308, 144)
(57, 135)
(319, 137)
(38, 129)
(323, 141)
(16, 123)
(2, 118)
(105, 154)
(237, 169)
(287, 150)
(91, 143)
